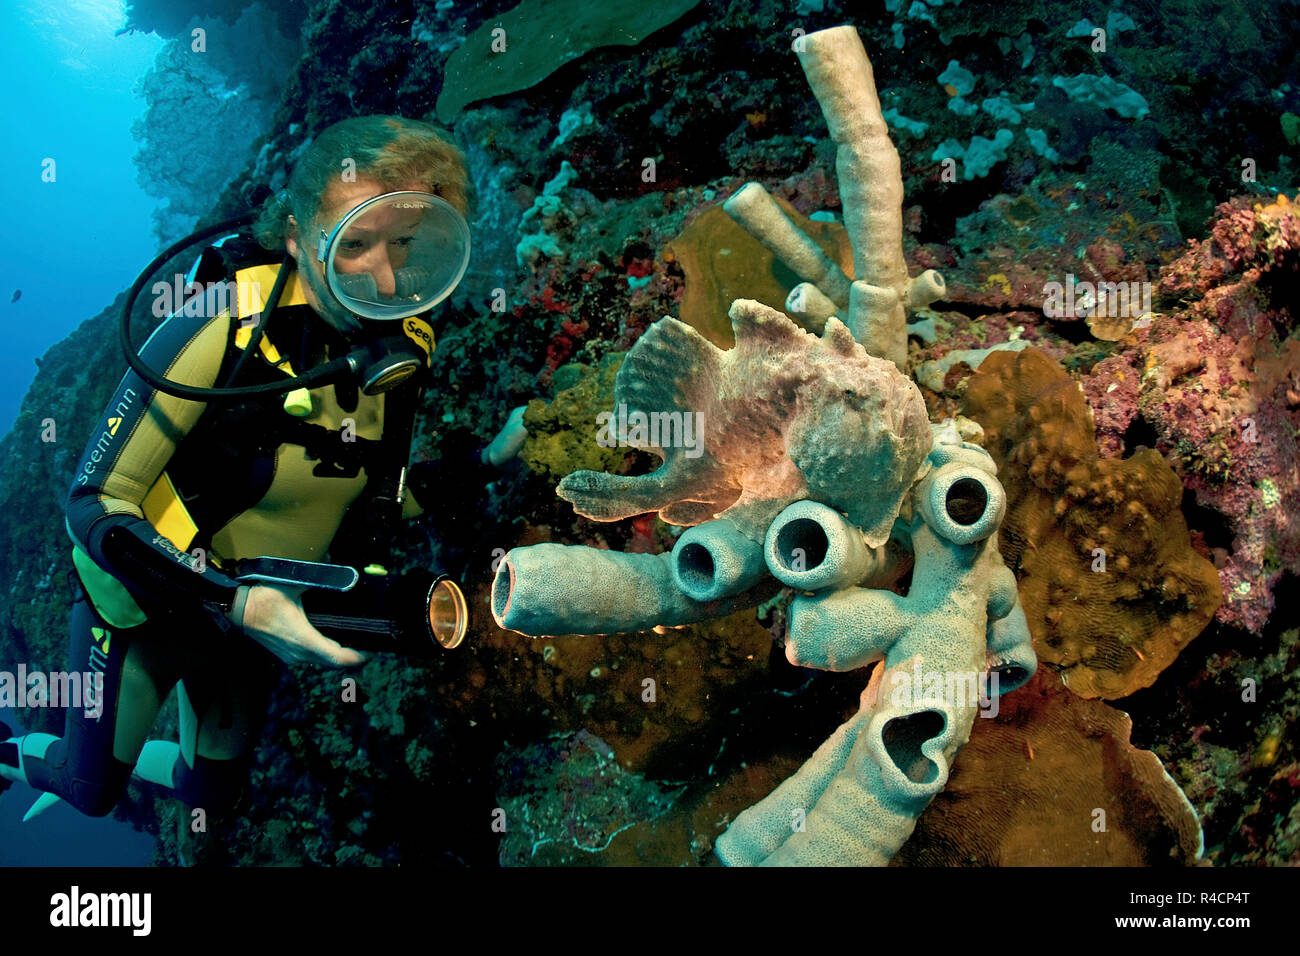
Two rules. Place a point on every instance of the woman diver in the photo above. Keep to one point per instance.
(184, 493)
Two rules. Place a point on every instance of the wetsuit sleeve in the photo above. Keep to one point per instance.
(129, 448)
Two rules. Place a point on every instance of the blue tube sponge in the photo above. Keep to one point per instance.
(1010, 648)
(857, 799)
(561, 589)
(812, 547)
(715, 560)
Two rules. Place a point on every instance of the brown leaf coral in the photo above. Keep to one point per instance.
(723, 262)
(1054, 781)
(1111, 586)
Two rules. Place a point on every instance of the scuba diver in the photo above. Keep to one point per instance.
(248, 427)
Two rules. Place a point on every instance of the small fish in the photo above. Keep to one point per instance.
(1266, 752)
(18, 294)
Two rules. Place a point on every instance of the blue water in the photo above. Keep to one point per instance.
(61, 836)
(73, 244)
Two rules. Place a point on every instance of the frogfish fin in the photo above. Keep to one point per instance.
(755, 324)
(666, 368)
(838, 337)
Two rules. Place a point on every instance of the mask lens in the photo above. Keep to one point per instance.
(397, 255)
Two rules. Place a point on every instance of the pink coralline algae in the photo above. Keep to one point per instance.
(1216, 376)
(1247, 240)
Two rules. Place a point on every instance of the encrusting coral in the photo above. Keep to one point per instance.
(556, 442)
(1215, 381)
(812, 463)
(1111, 586)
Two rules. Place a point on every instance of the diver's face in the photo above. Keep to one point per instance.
(378, 243)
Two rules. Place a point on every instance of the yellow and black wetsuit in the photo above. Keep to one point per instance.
(169, 493)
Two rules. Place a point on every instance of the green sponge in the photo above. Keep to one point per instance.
(530, 42)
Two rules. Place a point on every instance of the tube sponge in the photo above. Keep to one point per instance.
(715, 560)
(1011, 650)
(961, 502)
(874, 305)
(811, 547)
(753, 208)
(877, 320)
(559, 589)
(807, 303)
(861, 792)
(924, 289)
(871, 186)
(857, 799)
(870, 174)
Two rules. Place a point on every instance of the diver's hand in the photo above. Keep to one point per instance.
(273, 616)
(508, 441)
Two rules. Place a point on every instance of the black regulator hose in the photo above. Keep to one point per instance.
(316, 377)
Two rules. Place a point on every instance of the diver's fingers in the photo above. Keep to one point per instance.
(331, 653)
(315, 648)
(274, 618)
(323, 653)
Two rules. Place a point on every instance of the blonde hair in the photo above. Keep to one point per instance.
(391, 149)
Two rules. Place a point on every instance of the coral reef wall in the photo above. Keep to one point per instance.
(208, 105)
(1029, 157)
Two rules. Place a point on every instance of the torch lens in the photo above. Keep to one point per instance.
(448, 613)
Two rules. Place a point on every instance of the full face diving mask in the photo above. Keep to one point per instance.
(391, 258)
(395, 255)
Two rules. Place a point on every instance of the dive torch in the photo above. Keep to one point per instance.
(416, 613)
